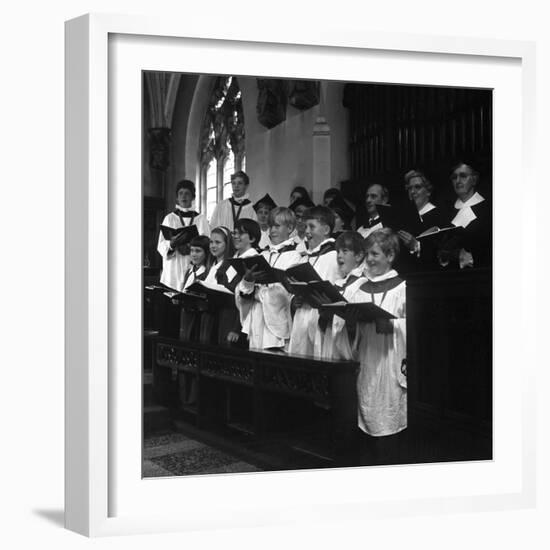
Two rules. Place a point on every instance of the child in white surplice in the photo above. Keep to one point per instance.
(381, 346)
(350, 250)
(265, 308)
(306, 335)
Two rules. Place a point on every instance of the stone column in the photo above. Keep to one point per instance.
(321, 159)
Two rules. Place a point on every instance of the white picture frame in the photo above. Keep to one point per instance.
(104, 53)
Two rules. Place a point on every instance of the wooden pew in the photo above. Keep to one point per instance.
(274, 383)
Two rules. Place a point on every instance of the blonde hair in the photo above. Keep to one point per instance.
(284, 215)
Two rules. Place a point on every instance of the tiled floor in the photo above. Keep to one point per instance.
(176, 454)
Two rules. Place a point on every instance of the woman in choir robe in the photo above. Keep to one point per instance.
(175, 260)
(238, 206)
(419, 190)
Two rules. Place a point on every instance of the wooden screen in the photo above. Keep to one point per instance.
(397, 128)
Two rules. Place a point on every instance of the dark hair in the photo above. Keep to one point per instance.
(226, 234)
(386, 239)
(323, 214)
(302, 190)
(343, 210)
(186, 184)
(252, 228)
(202, 241)
(243, 175)
(351, 240)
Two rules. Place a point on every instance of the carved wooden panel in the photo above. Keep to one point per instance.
(228, 367)
(314, 385)
(171, 356)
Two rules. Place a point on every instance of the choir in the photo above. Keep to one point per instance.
(256, 254)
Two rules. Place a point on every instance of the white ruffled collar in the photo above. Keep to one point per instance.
(426, 208)
(388, 275)
(277, 247)
(476, 198)
(318, 247)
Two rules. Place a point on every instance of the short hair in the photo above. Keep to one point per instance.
(285, 215)
(241, 174)
(226, 234)
(386, 239)
(385, 191)
(251, 227)
(351, 240)
(202, 241)
(323, 214)
(186, 184)
(475, 173)
(418, 174)
(302, 190)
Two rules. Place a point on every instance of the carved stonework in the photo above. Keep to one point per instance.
(272, 98)
(170, 356)
(304, 94)
(159, 147)
(228, 367)
(311, 384)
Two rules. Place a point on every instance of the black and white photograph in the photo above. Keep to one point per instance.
(317, 274)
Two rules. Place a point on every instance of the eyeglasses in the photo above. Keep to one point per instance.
(237, 233)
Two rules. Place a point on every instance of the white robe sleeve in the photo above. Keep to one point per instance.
(202, 225)
(163, 246)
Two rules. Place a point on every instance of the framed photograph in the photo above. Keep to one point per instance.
(185, 407)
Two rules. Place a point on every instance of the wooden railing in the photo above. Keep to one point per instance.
(270, 395)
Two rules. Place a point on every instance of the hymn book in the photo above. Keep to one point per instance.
(364, 312)
(183, 234)
(202, 295)
(259, 264)
(309, 291)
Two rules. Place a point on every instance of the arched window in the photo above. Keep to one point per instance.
(222, 145)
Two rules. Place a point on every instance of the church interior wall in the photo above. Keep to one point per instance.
(277, 159)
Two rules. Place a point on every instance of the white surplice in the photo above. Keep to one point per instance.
(265, 309)
(174, 264)
(223, 213)
(381, 384)
(336, 343)
(306, 335)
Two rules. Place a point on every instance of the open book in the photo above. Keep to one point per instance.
(361, 311)
(183, 234)
(312, 290)
(433, 231)
(205, 296)
(259, 264)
